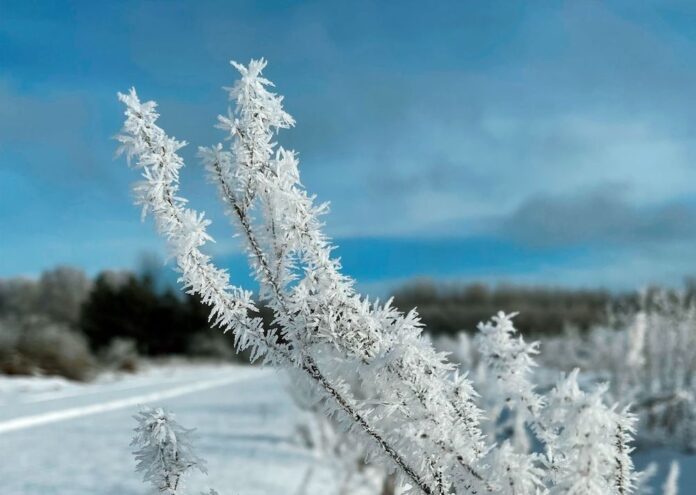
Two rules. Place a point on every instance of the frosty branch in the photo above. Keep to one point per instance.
(185, 230)
(368, 362)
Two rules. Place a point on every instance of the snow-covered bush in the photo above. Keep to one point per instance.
(121, 354)
(370, 367)
(36, 346)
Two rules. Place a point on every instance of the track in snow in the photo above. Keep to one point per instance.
(112, 405)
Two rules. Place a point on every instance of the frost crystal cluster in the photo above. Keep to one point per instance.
(369, 365)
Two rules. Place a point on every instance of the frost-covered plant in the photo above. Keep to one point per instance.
(508, 361)
(426, 424)
(332, 447)
(164, 452)
(659, 376)
(648, 357)
(586, 444)
(368, 362)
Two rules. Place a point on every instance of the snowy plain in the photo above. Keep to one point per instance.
(63, 438)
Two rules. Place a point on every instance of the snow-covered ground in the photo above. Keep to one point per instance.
(58, 437)
(62, 438)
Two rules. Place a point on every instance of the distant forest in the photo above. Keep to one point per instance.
(157, 319)
(447, 309)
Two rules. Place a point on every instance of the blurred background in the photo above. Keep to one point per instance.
(478, 156)
(501, 155)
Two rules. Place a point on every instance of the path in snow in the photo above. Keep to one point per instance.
(112, 405)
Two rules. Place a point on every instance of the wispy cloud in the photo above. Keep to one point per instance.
(601, 217)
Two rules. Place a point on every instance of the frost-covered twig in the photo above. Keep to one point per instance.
(588, 442)
(164, 452)
(330, 446)
(510, 360)
(321, 307)
(185, 230)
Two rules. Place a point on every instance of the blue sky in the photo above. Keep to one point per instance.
(529, 142)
